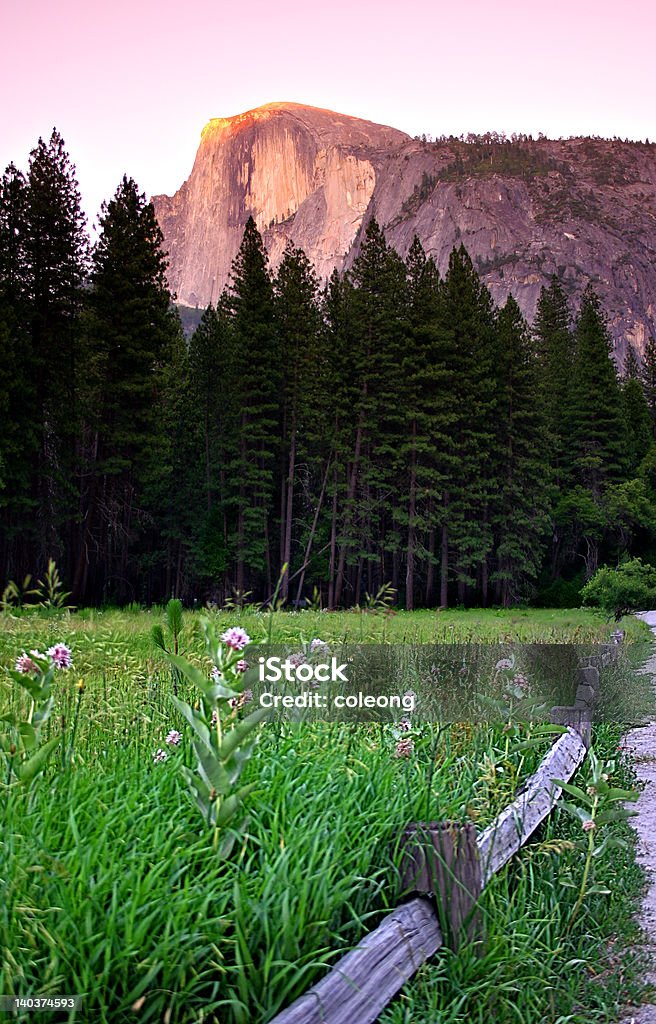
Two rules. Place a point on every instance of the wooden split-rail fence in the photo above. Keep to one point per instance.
(448, 865)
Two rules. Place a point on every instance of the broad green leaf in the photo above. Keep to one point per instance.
(27, 735)
(621, 794)
(30, 768)
(574, 791)
(193, 674)
(577, 812)
(195, 720)
(616, 814)
(211, 769)
(234, 738)
(230, 806)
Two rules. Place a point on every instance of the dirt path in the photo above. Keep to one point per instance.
(642, 743)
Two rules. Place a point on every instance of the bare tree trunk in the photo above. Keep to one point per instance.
(444, 559)
(333, 547)
(208, 473)
(430, 570)
(287, 521)
(412, 509)
(350, 496)
(240, 515)
(313, 530)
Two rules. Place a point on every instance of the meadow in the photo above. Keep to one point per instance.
(110, 885)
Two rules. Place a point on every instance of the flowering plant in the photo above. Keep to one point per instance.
(21, 747)
(222, 743)
(597, 805)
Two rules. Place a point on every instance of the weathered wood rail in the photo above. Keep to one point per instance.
(358, 988)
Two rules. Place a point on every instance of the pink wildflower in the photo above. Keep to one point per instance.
(236, 637)
(521, 682)
(404, 748)
(317, 645)
(404, 725)
(588, 826)
(216, 675)
(297, 659)
(61, 655)
(25, 664)
(242, 665)
(173, 737)
(244, 698)
(160, 756)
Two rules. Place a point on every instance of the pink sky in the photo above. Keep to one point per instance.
(131, 83)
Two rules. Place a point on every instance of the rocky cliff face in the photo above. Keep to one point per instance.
(584, 209)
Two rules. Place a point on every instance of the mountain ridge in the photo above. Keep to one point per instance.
(581, 208)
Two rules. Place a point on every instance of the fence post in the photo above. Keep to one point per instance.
(441, 860)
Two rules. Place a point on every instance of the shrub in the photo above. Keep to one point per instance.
(628, 588)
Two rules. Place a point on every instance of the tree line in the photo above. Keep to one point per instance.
(393, 428)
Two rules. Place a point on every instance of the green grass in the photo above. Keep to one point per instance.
(529, 968)
(108, 883)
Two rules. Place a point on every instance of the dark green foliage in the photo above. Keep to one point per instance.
(556, 351)
(598, 435)
(648, 379)
(396, 434)
(638, 421)
(628, 588)
(521, 502)
(487, 156)
(257, 390)
(131, 337)
(468, 315)
(43, 254)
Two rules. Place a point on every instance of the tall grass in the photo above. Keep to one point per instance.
(109, 886)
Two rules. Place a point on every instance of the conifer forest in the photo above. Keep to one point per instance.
(391, 430)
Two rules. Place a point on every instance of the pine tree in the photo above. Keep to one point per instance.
(426, 446)
(638, 422)
(520, 505)
(131, 329)
(343, 391)
(599, 437)
(298, 322)
(468, 316)
(631, 368)
(56, 253)
(555, 346)
(648, 379)
(253, 471)
(213, 422)
(368, 535)
(21, 430)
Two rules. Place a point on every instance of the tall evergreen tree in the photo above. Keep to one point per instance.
(631, 368)
(520, 505)
(425, 450)
(648, 379)
(298, 322)
(56, 252)
(21, 430)
(599, 437)
(258, 382)
(556, 353)
(131, 329)
(638, 422)
(468, 316)
(378, 277)
(213, 422)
